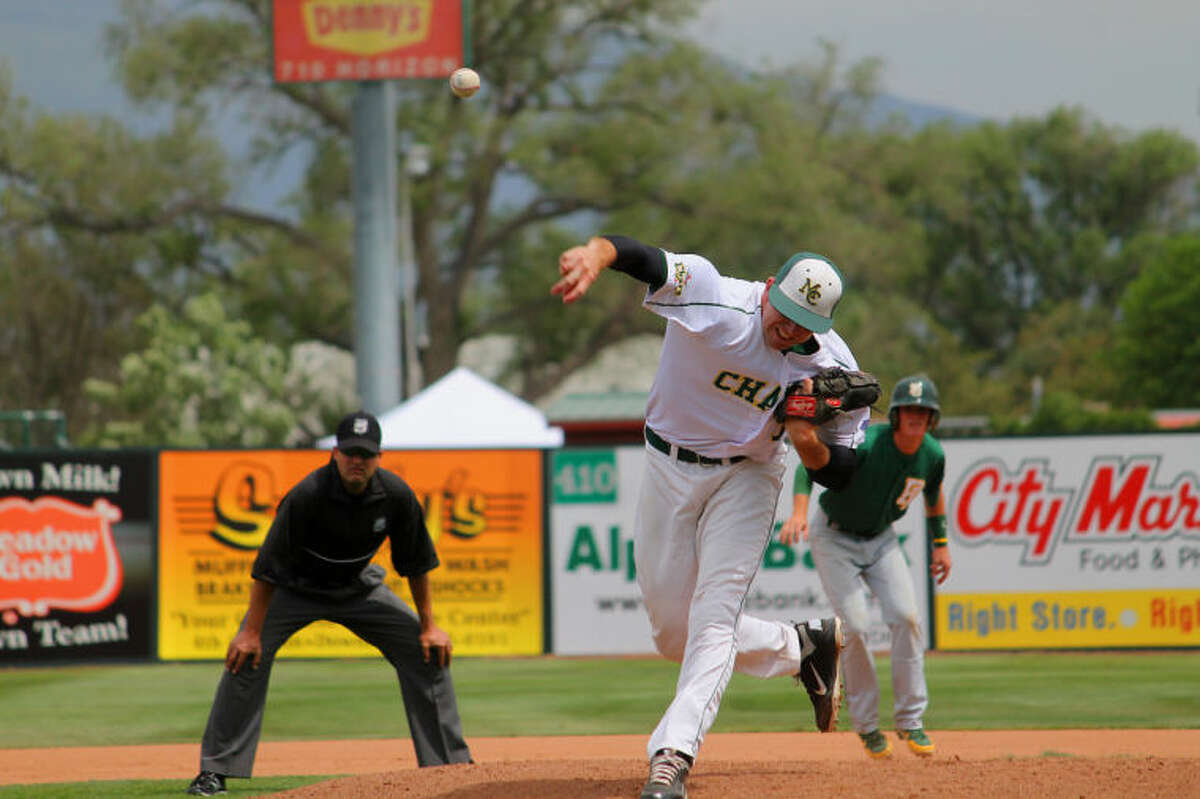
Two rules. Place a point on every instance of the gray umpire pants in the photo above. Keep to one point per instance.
(381, 619)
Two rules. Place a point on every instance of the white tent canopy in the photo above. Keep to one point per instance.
(464, 411)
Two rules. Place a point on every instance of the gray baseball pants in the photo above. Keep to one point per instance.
(849, 567)
(381, 619)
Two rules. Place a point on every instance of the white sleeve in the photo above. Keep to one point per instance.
(847, 429)
(691, 295)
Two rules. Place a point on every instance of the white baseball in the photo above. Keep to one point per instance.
(464, 82)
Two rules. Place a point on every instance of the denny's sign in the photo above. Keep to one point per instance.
(324, 40)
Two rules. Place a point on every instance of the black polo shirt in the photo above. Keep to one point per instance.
(323, 537)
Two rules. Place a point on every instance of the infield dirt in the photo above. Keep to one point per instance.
(978, 765)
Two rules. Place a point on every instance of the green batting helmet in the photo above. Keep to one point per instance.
(915, 390)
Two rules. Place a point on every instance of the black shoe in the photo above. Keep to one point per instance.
(820, 669)
(668, 770)
(207, 783)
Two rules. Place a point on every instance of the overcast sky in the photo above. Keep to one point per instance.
(1132, 64)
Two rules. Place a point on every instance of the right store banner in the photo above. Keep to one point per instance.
(1072, 542)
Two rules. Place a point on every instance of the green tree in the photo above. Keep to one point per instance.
(743, 169)
(1158, 351)
(541, 63)
(203, 380)
(975, 254)
(893, 336)
(95, 222)
(1019, 218)
(1062, 412)
(1030, 232)
(588, 115)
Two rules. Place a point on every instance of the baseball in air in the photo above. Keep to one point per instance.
(464, 82)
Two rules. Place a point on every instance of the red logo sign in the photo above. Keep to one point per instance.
(1120, 502)
(1022, 508)
(54, 553)
(1117, 502)
(320, 40)
(801, 405)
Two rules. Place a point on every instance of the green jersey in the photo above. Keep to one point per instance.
(885, 482)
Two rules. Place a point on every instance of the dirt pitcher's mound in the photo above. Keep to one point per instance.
(724, 779)
(973, 765)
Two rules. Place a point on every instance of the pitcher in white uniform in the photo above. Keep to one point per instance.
(714, 470)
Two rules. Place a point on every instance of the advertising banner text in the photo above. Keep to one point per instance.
(76, 556)
(483, 510)
(324, 40)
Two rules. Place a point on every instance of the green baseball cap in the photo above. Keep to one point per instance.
(806, 290)
(916, 391)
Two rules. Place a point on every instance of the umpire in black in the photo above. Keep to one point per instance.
(316, 564)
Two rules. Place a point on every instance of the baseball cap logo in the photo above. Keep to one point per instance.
(358, 430)
(810, 292)
(915, 389)
(806, 290)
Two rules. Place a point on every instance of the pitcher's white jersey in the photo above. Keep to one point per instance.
(717, 380)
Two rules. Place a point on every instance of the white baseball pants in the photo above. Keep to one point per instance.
(699, 539)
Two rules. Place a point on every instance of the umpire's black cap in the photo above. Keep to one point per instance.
(359, 430)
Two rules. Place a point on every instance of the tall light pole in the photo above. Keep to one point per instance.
(373, 54)
(373, 185)
(415, 165)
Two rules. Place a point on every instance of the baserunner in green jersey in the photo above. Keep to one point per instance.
(856, 550)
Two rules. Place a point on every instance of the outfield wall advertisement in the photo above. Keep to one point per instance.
(1073, 542)
(1057, 543)
(597, 605)
(484, 510)
(76, 556)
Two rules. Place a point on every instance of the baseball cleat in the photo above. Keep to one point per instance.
(207, 783)
(668, 770)
(917, 741)
(820, 668)
(876, 744)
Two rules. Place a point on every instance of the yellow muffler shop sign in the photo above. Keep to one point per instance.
(483, 509)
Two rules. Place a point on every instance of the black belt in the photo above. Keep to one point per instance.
(686, 455)
(867, 536)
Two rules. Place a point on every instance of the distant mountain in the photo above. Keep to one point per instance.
(918, 114)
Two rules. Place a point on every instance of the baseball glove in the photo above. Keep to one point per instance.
(834, 390)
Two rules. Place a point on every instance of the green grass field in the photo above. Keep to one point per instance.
(169, 703)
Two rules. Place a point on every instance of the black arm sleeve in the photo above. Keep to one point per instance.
(841, 467)
(412, 548)
(641, 261)
(275, 562)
